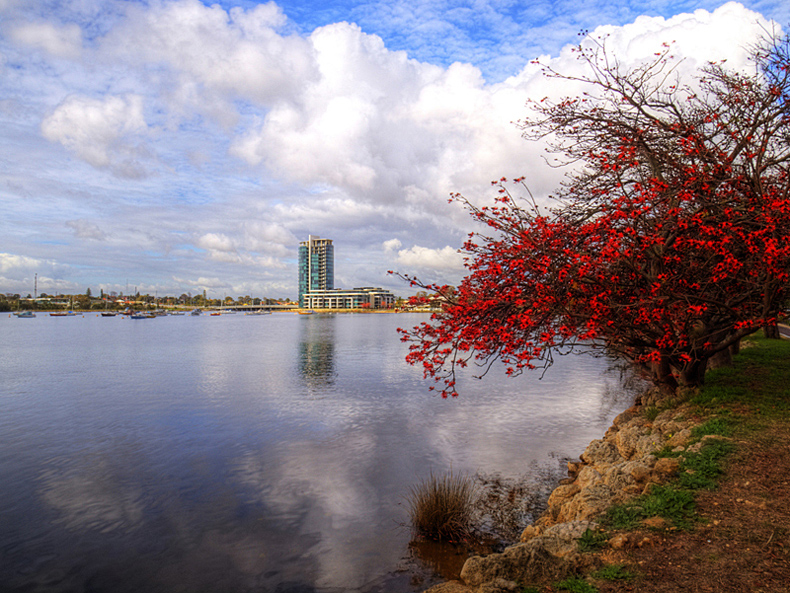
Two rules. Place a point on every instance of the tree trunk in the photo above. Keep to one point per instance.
(663, 377)
(693, 374)
(771, 331)
(721, 359)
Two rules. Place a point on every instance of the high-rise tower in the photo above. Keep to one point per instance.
(316, 266)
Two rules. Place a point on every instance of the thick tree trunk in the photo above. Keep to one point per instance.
(663, 376)
(771, 331)
(721, 359)
(693, 374)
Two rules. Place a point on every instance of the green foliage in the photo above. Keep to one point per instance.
(592, 540)
(716, 426)
(441, 508)
(700, 470)
(614, 572)
(576, 585)
(668, 502)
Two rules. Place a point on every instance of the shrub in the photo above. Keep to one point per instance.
(441, 508)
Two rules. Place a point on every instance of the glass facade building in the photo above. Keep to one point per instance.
(316, 266)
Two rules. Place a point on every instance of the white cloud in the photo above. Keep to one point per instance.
(86, 230)
(446, 259)
(240, 137)
(392, 245)
(10, 262)
(60, 41)
(215, 242)
(103, 132)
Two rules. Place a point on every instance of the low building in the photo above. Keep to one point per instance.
(356, 298)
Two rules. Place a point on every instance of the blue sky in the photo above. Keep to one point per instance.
(178, 146)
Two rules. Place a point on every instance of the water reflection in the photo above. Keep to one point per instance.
(139, 464)
(92, 498)
(317, 351)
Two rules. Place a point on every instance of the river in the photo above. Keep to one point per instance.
(249, 453)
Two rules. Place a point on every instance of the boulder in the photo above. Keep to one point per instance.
(628, 437)
(681, 438)
(665, 468)
(587, 504)
(549, 555)
(600, 451)
(521, 563)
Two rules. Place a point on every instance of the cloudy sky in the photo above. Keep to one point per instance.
(176, 146)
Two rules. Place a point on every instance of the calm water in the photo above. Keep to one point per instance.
(247, 453)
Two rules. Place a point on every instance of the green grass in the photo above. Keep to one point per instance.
(667, 501)
(719, 425)
(701, 470)
(614, 572)
(576, 585)
(758, 379)
(592, 540)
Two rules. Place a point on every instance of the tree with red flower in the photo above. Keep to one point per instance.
(670, 241)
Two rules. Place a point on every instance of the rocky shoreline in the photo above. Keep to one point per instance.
(611, 470)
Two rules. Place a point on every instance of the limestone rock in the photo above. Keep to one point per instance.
(626, 416)
(619, 541)
(548, 555)
(665, 468)
(521, 562)
(587, 504)
(589, 476)
(680, 438)
(500, 586)
(629, 436)
(529, 532)
(655, 522)
(599, 451)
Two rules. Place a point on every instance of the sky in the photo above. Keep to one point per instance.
(179, 146)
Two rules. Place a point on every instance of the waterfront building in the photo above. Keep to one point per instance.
(316, 266)
(355, 298)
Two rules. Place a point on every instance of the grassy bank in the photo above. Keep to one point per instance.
(724, 523)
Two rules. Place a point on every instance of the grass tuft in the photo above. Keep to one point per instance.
(591, 540)
(576, 585)
(668, 502)
(614, 572)
(441, 508)
(702, 470)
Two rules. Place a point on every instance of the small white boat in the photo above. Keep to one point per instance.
(25, 314)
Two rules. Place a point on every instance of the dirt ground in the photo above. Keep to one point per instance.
(743, 541)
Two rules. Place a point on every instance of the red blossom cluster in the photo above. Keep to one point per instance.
(671, 243)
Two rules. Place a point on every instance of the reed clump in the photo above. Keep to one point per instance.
(442, 507)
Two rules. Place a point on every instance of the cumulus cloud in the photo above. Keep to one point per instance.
(424, 258)
(103, 132)
(392, 245)
(277, 134)
(215, 242)
(11, 261)
(60, 41)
